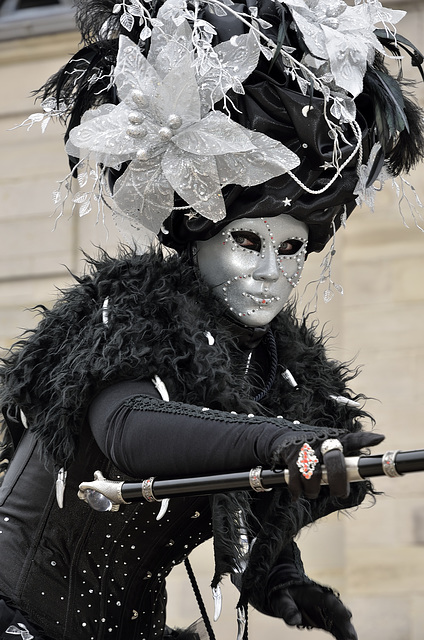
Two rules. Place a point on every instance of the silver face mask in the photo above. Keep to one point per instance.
(253, 265)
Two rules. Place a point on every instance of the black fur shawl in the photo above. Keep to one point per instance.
(158, 314)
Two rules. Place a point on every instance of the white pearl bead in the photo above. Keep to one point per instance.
(139, 98)
(175, 121)
(165, 133)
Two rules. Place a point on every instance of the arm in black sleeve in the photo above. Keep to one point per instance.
(144, 435)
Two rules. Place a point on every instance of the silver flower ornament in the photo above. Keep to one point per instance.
(166, 129)
(342, 36)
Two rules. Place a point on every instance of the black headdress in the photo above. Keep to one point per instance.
(343, 130)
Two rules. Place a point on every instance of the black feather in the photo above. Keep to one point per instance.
(282, 34)
(409, 149)
(92, 16)
(398, 120)
(395, 43)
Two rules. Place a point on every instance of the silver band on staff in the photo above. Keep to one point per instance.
(147, 490)
(388, 463)
(255, 480)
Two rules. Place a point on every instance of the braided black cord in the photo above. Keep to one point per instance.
(246, 630)
(199, 599)
(272, 352)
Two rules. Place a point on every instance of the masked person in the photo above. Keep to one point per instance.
(193, 363)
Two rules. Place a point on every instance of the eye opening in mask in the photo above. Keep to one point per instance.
(290, 247)
(252, 241)
(247, 240)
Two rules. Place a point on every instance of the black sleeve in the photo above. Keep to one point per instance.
(146, 436)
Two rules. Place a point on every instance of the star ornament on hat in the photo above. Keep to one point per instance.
(166, 128)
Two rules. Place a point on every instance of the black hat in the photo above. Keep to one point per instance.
(297, 92)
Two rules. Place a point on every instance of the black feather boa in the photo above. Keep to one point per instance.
(158, 314)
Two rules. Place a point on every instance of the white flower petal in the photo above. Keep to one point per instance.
(177, 93)
(382, 14)
(105, 136)
(103, 110)
(215, 134)
(348, 59)
(195, 179)
(144, 195)
(169, 45)
(133, 71)
(268, 160)
(312, 34)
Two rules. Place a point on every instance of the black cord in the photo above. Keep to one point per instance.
(199, 599)
(272, 352)
(246, 630)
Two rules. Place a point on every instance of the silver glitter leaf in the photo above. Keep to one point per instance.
(84, 209)
(20, 630)
(105, 136)
(127, 21)
(338, 288)
(267, 53)
(82, 179)
(237, 86)
(216, 9)
(136, 9)
(236, 59)
(145, 33)
(44, 124)
(208, 28)
(168, 49)
(328, 295)
(79, 197)
(133, 72)
(263, 23)
(177, 94)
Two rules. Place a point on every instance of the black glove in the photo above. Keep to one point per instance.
(354, 442)
(288, 453)
(335, 463)
(289, 594)
(311, 605)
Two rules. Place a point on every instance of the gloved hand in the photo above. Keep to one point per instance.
(299, 449)
(289, 594)
(311, 605)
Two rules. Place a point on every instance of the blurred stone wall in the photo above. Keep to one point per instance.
(375, 557)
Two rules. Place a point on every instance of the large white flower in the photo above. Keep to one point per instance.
(343, 35)
(165, 126)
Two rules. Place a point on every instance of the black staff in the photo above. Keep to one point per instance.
(108, 495)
